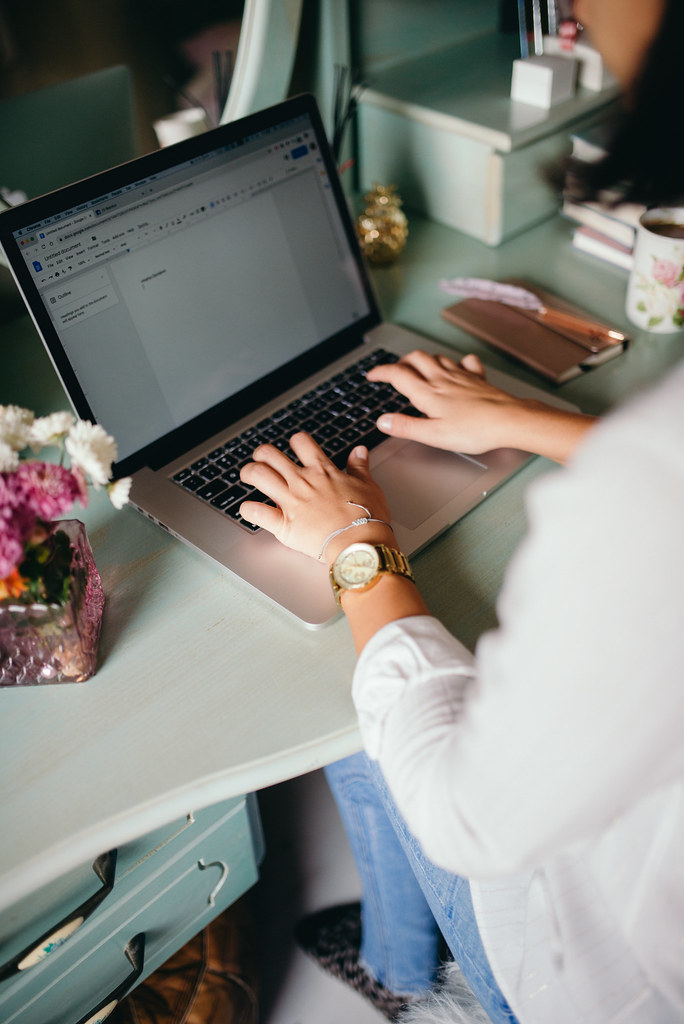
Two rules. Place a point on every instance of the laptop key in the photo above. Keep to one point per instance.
(311, 425)
(365, 426)
(241, 451)
(334, 445)
(350, 435)
(339, 407)
(370, 440)
(229, 497)
(211, 490)
(192, 483)
(226, 462)
(316, 404)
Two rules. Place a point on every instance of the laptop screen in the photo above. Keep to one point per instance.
(200, 279)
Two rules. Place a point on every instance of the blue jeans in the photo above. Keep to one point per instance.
(406, 900)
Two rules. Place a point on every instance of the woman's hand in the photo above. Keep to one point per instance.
(463, 412)
(312, 500)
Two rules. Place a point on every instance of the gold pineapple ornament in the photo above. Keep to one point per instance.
(382, 227)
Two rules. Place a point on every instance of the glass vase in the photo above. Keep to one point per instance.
(55, 643)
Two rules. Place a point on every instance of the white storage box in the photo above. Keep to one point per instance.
(444, 130)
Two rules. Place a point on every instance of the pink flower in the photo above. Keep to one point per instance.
(46, 489)
(9, 495)
(665, 272)
(16, 523)
(11, 548)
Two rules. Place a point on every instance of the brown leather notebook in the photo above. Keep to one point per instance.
(558, 352)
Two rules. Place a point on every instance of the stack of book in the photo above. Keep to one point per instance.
(604, 231)
(607, 232)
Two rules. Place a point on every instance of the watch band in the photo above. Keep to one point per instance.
(391, 562)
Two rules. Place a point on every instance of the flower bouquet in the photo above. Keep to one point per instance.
(51, 596)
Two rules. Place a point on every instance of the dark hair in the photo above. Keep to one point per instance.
(645, 163)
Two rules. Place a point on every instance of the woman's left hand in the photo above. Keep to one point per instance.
(312, 500)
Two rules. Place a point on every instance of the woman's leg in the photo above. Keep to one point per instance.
(400, 939)
(364, 800)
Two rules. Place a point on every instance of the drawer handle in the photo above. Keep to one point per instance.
(202, 865)
(135, 954)
(105, 869)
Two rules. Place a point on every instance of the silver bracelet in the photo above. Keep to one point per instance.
(362, 521)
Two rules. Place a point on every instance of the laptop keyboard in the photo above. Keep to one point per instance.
(340, 413)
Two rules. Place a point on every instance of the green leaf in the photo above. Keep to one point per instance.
(654, 321)
(47, 568)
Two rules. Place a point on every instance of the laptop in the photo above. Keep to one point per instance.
(197, 300)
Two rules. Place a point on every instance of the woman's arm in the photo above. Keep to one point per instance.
(463, 412)
(569, 715)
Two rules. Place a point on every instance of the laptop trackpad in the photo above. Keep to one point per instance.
(418, 480)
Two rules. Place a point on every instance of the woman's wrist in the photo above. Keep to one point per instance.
(392, 597)
(544, 430)
(389, 598)
(368, 533)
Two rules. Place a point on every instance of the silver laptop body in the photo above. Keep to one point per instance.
(187, 295)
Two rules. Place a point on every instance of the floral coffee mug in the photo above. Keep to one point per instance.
(655, 294)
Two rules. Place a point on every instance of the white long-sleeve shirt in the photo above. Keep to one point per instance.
(549, 769)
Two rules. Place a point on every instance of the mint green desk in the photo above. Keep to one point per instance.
(204, 692)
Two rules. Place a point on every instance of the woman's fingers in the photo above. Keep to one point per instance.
(308, 451)
(415, 368)
(472, 364)
(270, 471)
(263, 515)
(396, 424)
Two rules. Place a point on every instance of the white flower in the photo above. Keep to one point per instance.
(15, 423)
(49, 429)
(119, 490)
(9, 460)
(92, 450)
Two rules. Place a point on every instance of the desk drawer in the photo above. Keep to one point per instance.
(168, 907)
(40, 913)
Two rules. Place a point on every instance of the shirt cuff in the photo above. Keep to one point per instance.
(404, 654)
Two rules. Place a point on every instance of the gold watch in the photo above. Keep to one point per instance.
(360, 566)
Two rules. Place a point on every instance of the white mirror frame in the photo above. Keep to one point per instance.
(265, 56)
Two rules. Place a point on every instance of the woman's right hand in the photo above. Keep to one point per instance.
(463, 412)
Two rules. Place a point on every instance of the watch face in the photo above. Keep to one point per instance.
(356, 566)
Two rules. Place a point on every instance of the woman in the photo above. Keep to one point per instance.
(548, 771)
